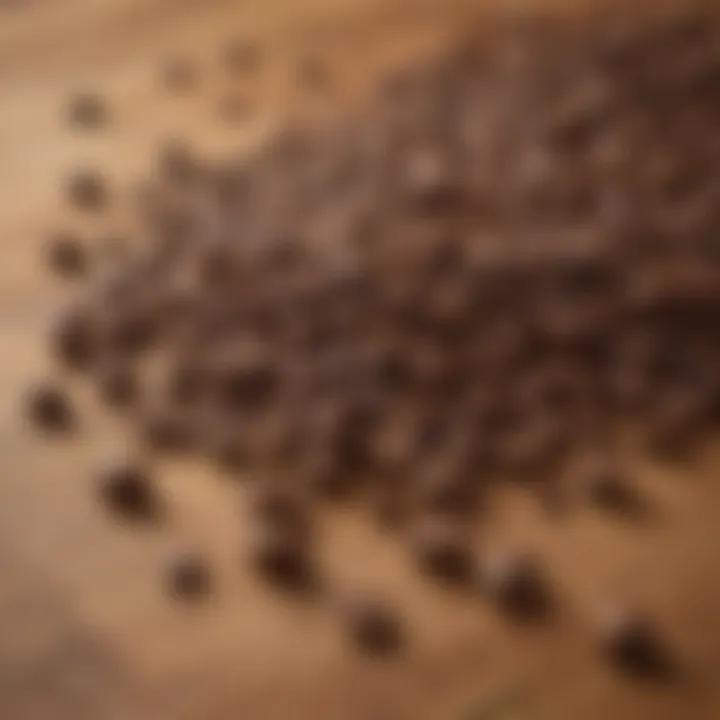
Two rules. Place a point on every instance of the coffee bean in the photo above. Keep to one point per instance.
(280, 559)
(632, 645)
(67, 256)
(608, 487)
(87, 190)
(516, 583)
(246, 381)
(188, 578)
(131, 330)
(49, 408)
(127, 491)
(441, 549)
(373, 626)
(87, 111)
(74, 339)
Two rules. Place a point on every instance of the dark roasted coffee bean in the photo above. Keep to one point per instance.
(280, 558)
(247, 382)
(131, 330)
(49, 408)
(516, 583)
(607, 486)
(74, 339)
(373, 626)
(632, 645)
(441, 549)
(188, 578)
(67, 256)
(126, 490)
(87, 111)
(87, 190)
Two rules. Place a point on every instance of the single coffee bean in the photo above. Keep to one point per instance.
(67, 256)
(74, 339)
(87, 190)
(49, 408)
(188, 578)
(126, 490)
(87, 111)
(280, 558)
(631, 644)
(373, 626)
(516, 583)
(607, 486)
(441, 549)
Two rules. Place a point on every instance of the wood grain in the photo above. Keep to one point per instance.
(85, 625)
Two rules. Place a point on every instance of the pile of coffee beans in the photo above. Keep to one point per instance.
(510, 250)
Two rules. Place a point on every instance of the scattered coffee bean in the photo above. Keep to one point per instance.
(87, 190)
(67, 256)
(632, 645)
(281, 558)
(49, 408)
(127, 491)
(441, 549)
(524, 284)
(87, 111)
(608, 487)
(188, 578)
(74, 339)
(373, 626)
(516, 583)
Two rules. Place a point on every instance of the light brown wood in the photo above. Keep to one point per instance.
(85, 629)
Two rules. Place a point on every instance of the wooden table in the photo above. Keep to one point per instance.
(86, 631)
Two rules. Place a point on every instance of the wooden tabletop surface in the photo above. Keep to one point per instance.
(85, 628)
